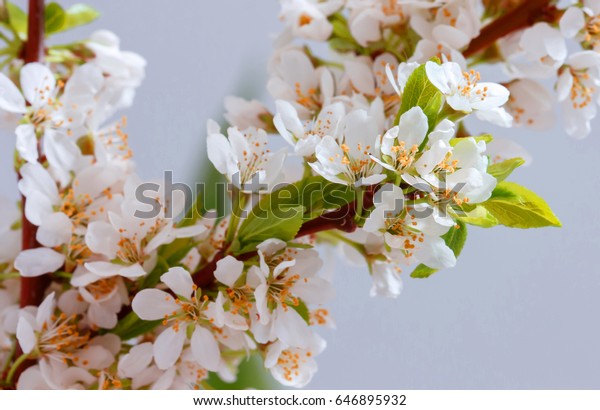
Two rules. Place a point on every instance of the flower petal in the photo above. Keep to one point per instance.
(412, 127)
(102, 238)
(205, 349)
(168, 347)
(55, 230)
(27, 144)
(45, 310)
(179, 281)
(572, 22)
(38, 83)
(220, 153)
(11, 99)
(26, 334)
(229, 270)
(39, 261)
(291, 329)
(107, 269)
(153, 304)
(138, 358)
(287, 121)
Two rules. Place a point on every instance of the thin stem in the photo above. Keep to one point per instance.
(307, 171)
(333, 236)
(398, 179)
(359, 204)
(3, 11)
(11, 354)
(15, 367)
(63, 275)
(238, 202)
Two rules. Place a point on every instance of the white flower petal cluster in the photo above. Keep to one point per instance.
(308, 18)
(564, 51)
(135, 295)
(340, 118)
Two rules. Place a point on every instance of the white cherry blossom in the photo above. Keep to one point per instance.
(308, 18)
(281, 281)
(189, 311)
(347, 160)
(294, 366)
(462, 90)
(295, 79)
(243, 154)
(576, 89)
(415, 230)
(304, 136)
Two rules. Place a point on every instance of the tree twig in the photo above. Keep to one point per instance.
(341, 219)
(32, 289)
(524, 15)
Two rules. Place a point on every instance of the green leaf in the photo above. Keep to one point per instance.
(502, 170)
(420, 92)
(281, 214)
(79, 15)
(251, 375)
(487, 138)
(316, 194)
(17, 18)
(59, 56)
(177, 250)
(341, 30)
(342, 39)
(518, 207)
(55, 17)
(263, 224)
(479, 216)
(302, 310)
(422, 272)
(343, 45)
(455, 238)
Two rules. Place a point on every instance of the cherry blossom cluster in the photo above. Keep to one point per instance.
(552, 62)
(378, 165)
(111, 271)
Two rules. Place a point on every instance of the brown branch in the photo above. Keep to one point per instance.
(341, 219)
(34, 47)
(32, 289)
(205, 276)
(525, 15)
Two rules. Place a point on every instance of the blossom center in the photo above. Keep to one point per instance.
(469, 83)
(581, 93)
(61, 337)
(102, 288)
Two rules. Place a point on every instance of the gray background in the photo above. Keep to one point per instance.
(519, 310)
